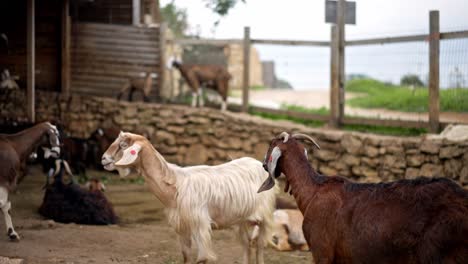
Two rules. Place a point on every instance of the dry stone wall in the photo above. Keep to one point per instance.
(190, 136)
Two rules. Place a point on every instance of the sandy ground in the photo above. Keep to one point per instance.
(321, 98)
(143, 236)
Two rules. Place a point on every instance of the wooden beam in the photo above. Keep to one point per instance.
(337, 84)
(136, 14)
(214, 42)
(30, 62)
(386, 40)
(291, 42)
(454, 34)
(246, 71)
(434, 53)
(66, 35)
(162, 58)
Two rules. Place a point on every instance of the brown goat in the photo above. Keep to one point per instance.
(14, 150)
(211, 76)
(132, 85)
(424, 220)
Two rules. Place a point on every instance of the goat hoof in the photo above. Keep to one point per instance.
(14, 237)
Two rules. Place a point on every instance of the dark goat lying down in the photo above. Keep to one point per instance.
(407, 221)
(69, 203)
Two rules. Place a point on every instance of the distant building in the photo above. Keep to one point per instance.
(269, 75)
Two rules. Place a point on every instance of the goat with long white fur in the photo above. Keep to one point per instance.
(200, 198)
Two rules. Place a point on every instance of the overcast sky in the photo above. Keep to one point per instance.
(304, 19)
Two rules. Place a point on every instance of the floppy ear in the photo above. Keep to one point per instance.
(129, 155)
(271, 165)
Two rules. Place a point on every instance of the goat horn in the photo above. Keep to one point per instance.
(284, 136)
(303, 136)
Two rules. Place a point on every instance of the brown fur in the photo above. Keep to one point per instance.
(137, 84)
(407, 221)
(212, 76)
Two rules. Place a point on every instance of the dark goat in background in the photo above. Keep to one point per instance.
(407, 221)
(69, 203)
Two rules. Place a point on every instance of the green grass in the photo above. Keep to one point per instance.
(393, 131)
(298, 108)
(376, 94)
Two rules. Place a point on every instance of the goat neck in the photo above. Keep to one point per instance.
(159, 175)
(302, 179)
(25, 141)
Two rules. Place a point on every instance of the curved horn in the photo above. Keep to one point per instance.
(284, 136)
(306, 137)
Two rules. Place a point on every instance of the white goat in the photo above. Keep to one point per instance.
(200, 198)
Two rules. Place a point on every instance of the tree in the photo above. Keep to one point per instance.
(221, 7)
(176, 19)
(411, 80)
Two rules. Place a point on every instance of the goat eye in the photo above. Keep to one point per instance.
(123, 144)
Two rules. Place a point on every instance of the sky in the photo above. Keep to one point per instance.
(308, 68)
(304, 19)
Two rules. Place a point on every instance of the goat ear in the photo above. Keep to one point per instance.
(129, 156)
(271, 165)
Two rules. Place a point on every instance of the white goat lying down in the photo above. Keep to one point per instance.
(200, 198)
(287, 231)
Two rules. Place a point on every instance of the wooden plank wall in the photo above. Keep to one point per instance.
(105, 56)
(48, 35)
(103, 11)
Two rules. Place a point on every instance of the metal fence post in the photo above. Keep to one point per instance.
(246, 71)
(434, 53)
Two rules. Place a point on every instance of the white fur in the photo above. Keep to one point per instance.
(5, 206)
(210, 197)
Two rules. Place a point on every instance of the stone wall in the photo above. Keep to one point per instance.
(189, 136)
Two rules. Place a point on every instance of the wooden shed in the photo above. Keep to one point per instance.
(79, 46)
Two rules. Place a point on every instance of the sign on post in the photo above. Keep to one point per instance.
(331, 12)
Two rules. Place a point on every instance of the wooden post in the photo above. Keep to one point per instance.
(30, 62)
(66, 34)
(162, 58)
(246, 71)
(341, 57)
(155, 12)
(434, 49)
(136, 14)
(337, 68)
(334, 80)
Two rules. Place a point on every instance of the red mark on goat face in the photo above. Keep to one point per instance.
(133, 152)
(270, 159)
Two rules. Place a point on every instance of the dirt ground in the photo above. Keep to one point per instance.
(143, 236)
(321, 98)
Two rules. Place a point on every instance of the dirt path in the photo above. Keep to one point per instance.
(143, 236)
(321, 98)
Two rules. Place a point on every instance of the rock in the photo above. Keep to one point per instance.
(450, 152)
(351, 144)
(452, 168)
(412, 151)
(350, 160)
(365, 171)
(415, 160)
(332, 136)
(176, 129)
(371, 151)
(165, 113)
(393, 161)
(6, 260)
(234, 142)
(327, 170)
(196, 155)
(464, 176)
(370, 162)
(260, 150)
(412, 173)
(430, 146)
(431, 170)
(198, 120)
(340, 166)
(325, 155)
(434, 159)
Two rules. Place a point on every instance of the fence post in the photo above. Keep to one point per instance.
(246, 70)
(337, 67)
(66, 34)
(162, 58)
(434, 49)
(31, 62)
